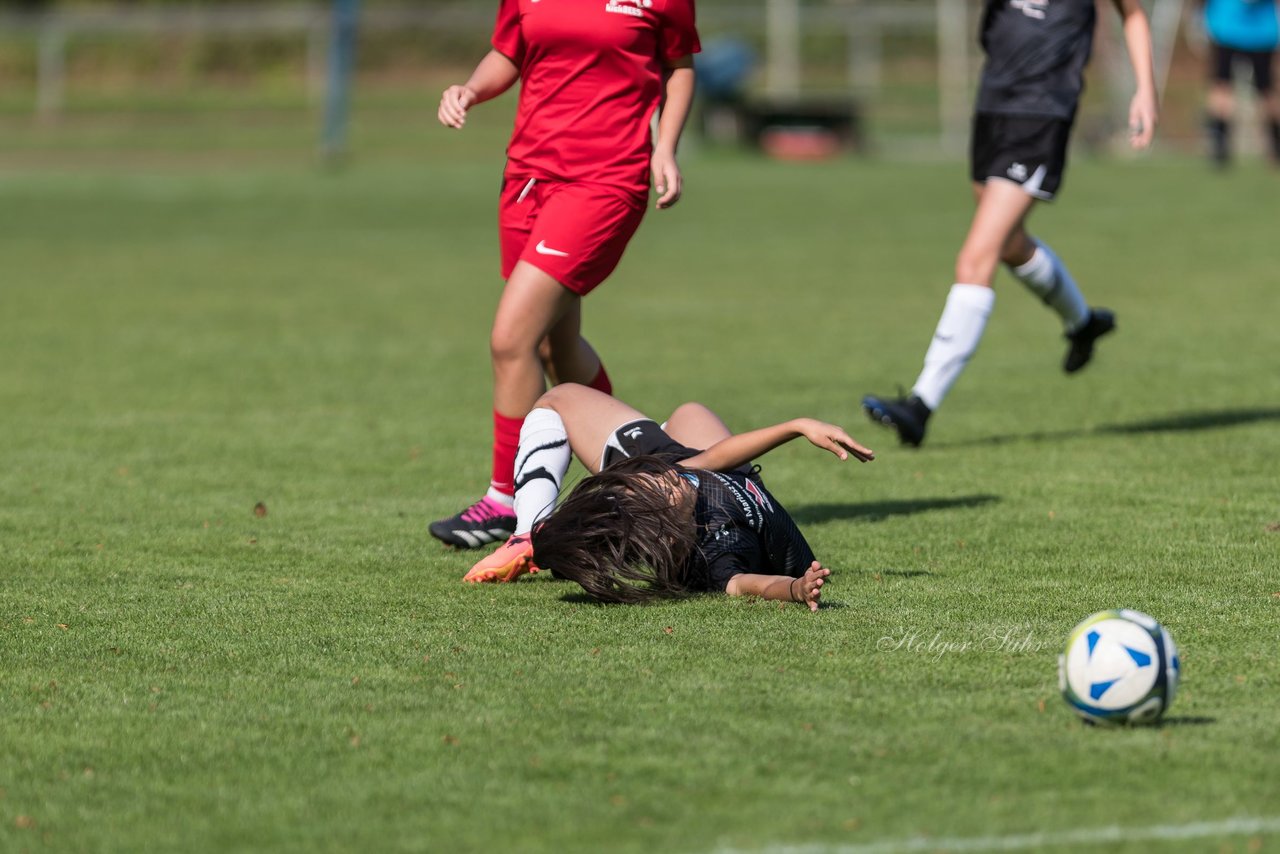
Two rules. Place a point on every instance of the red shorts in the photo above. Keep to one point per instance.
(575, 233)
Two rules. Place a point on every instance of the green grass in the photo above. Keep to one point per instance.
(178, 344)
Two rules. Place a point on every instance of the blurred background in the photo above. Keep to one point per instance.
(86, 83)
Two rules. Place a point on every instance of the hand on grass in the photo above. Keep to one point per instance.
(831, 438)
(807, 589)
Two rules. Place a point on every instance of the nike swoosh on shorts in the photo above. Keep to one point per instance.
(543, 249)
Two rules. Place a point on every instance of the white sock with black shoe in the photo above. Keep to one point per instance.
(954, 341)
(541, 462)
(1047, 277)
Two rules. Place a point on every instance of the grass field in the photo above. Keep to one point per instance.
(183, 342)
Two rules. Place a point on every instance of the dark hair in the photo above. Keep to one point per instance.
(620, 535)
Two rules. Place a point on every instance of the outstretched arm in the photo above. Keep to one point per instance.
(494, 75)
(743, 448)
(677, 96)
(1144, 110)
(806, 590)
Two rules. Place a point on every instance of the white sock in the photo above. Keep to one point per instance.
(1047, 277)
(541, 462)
(954, 341)
(500, 497)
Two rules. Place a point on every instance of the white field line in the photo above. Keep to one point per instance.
(1086, 836)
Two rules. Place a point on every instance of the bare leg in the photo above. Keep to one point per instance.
(696, 426)
(544, 355)
(996, 230)
(1222, 101)
(1020, 246)
(569, 357)
(531, 305)
(589, 418)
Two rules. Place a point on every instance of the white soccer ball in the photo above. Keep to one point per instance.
(1119, 667)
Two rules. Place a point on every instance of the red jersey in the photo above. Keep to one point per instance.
(590, 82)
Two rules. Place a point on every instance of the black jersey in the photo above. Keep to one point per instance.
(1036, 54)
(741, 528)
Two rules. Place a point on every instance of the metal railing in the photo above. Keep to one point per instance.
(863, 25)
(780, 25)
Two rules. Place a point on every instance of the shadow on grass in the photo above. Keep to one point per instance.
(584, 599)
(900, 573)
(878, 511)
(581, 598)
(1185, 422)
(1188, 720)
(1189, 421)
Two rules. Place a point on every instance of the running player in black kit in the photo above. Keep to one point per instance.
(1031, 84)
(670, 510)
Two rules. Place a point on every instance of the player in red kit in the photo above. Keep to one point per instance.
(593, 73)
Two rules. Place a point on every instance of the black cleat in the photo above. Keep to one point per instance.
(486, 521)
(1100, 322)
(907, 415)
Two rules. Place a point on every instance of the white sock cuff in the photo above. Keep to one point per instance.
(541, 419)
(972, 297)
(495, 494)
(1038, 268)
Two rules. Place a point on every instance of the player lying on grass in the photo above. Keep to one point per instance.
(658, 518)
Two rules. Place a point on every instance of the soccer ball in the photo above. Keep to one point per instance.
(1120, 667)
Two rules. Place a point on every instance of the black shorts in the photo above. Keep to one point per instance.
(1224, 62)
(640, 437)
(1027, 150)
(636, 438)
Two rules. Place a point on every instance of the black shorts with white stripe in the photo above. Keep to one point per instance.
(642, 437)
(1030, 151)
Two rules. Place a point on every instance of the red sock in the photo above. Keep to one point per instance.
(506, 439)
(601, 382)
